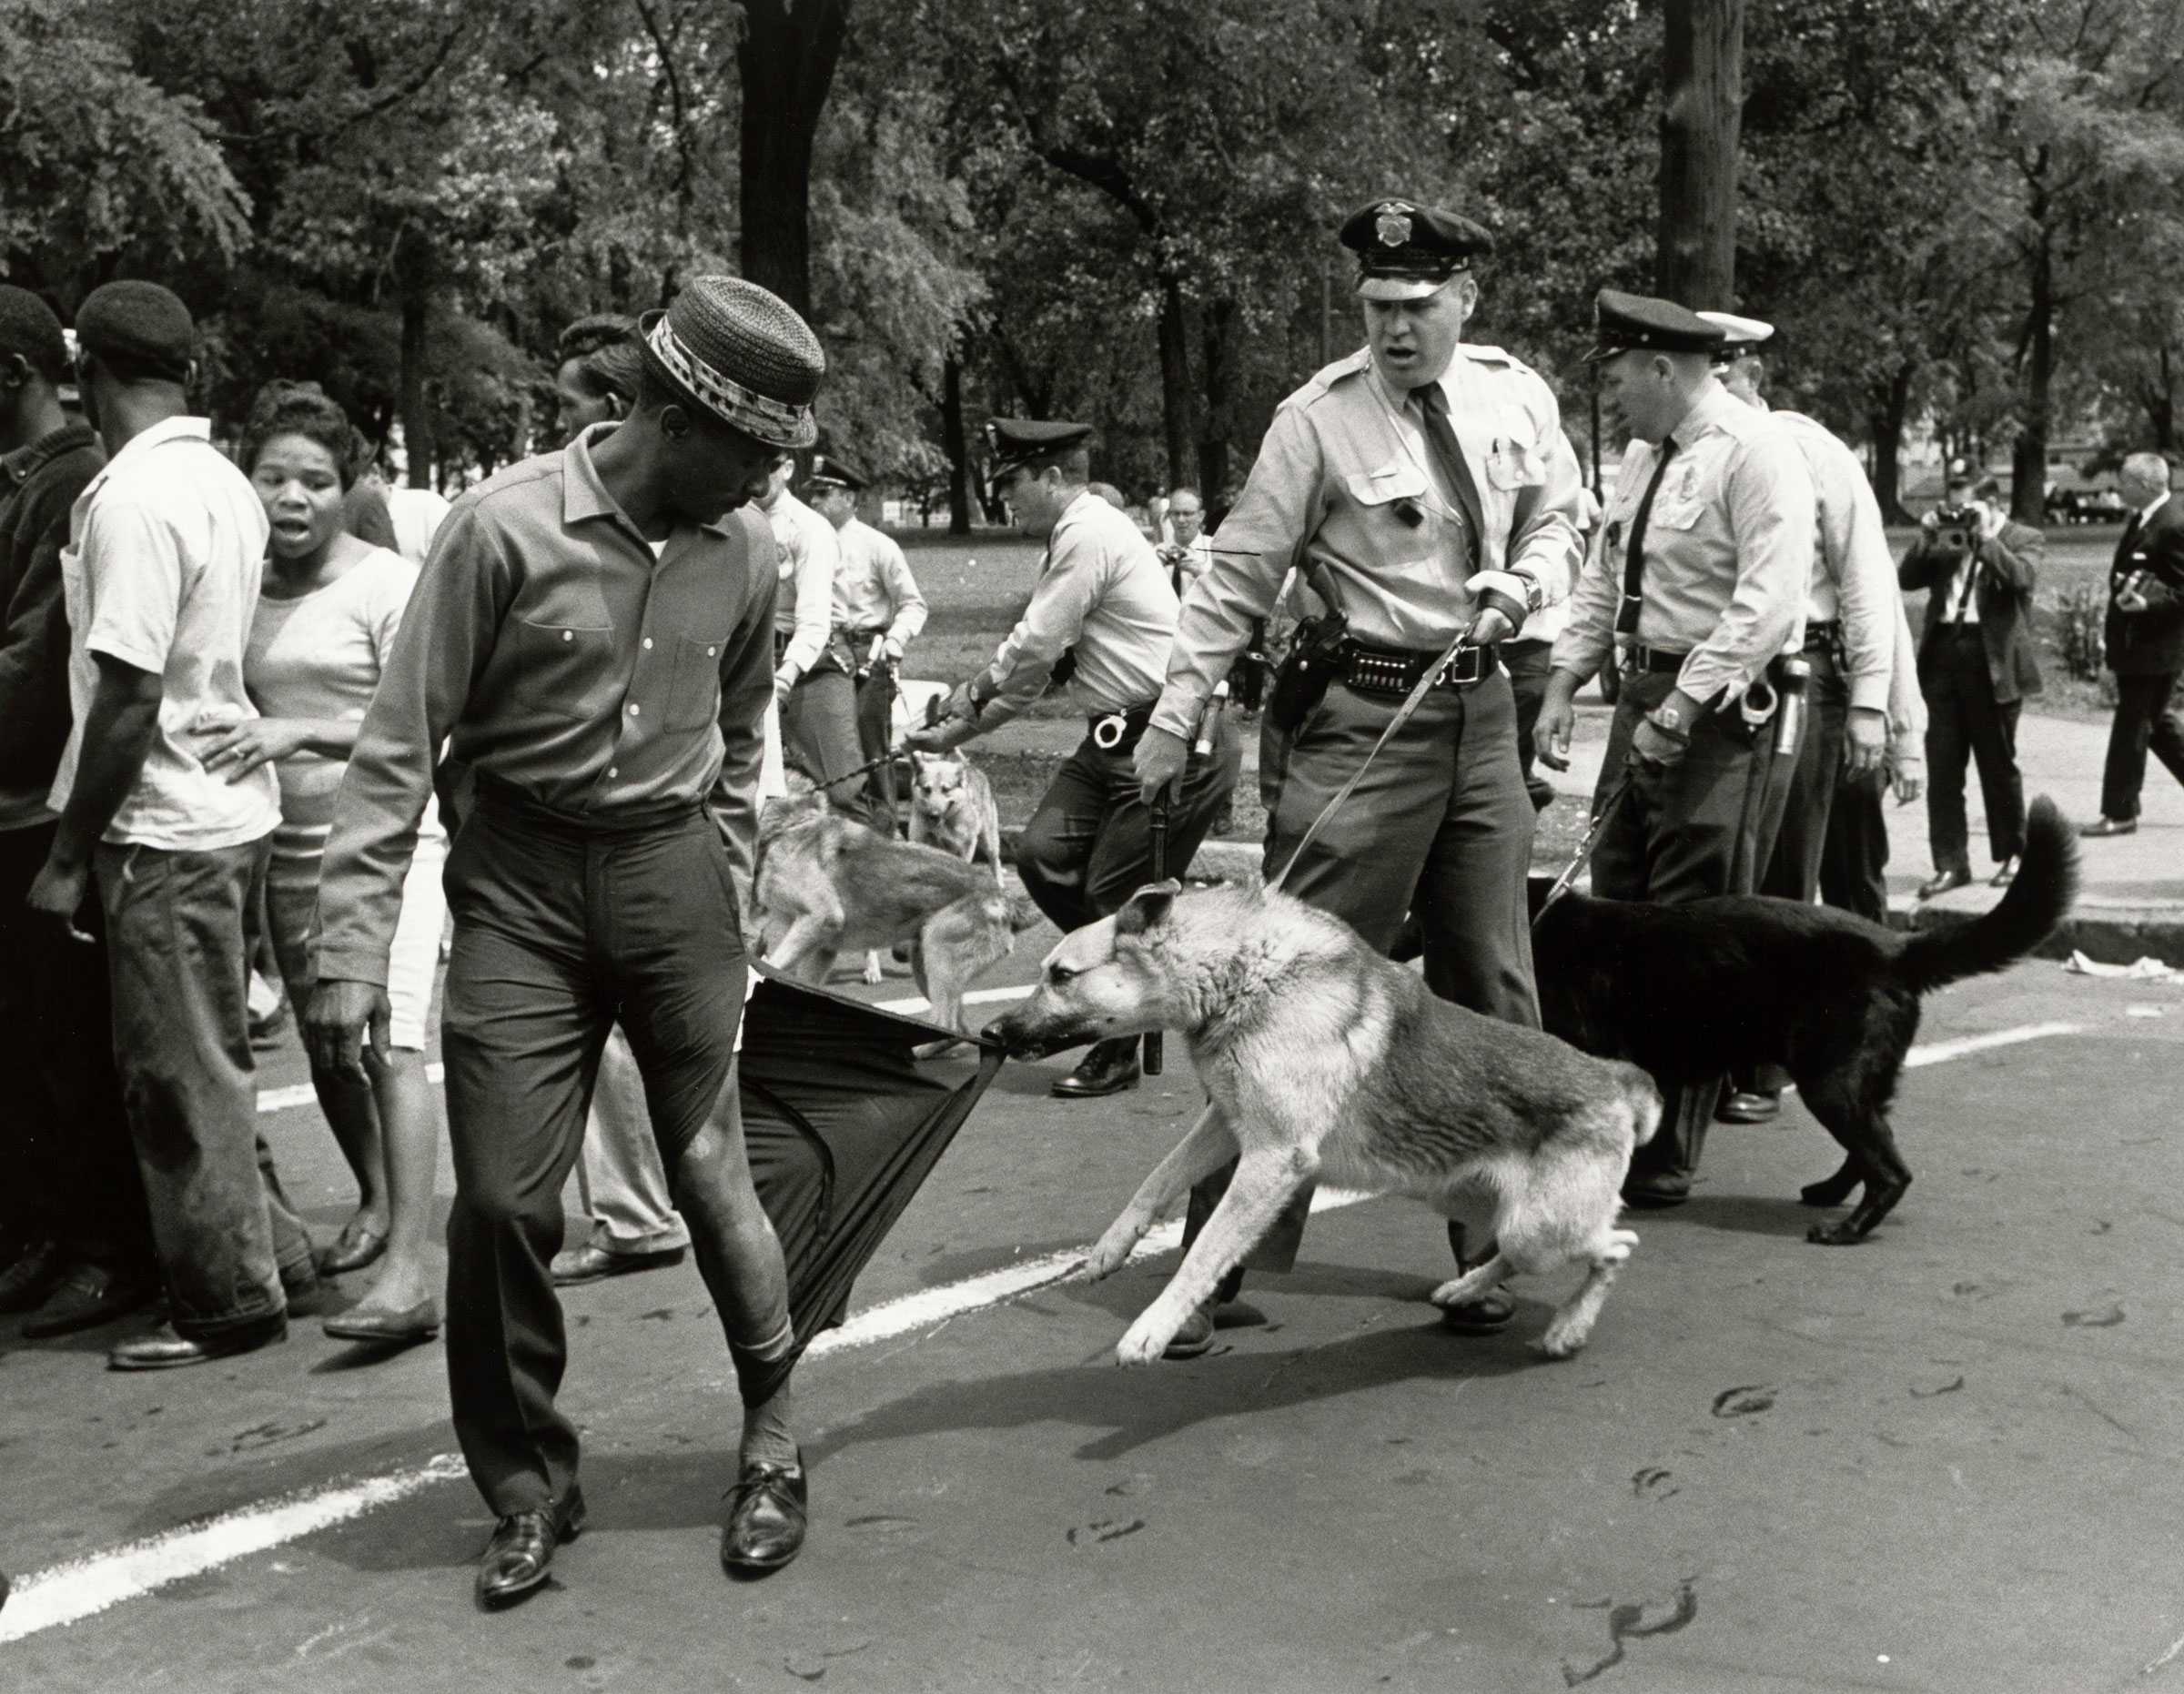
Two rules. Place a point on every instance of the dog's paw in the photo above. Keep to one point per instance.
(1562, 1340)
(874, 974)
(1462, 1290)
(1618, 1248)
(1112, 1251)
(937, 1049)
(1837, 1234)
(1145, 1342)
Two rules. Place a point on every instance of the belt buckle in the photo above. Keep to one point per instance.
(1467, 660)
(1107, 731)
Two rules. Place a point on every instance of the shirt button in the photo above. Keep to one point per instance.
(568, 635)
(710, 651)
(648, 641)
(612, 771)
(633, 709)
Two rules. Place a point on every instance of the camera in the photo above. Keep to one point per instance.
(1957, 527)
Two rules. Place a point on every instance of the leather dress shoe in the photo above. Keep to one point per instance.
(572, 1265)
(766, 1512)
(517, 1559)
(383, 1328)
(1656, 1194)
(164, 1349)
(2004, 873)
(2109, 826)
(37, 1271)
(1107, 1068)
(1195, 1338)
(1941, 882)
(89, 1296)
(1748, 1105)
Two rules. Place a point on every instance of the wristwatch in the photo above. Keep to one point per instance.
(1665, 716)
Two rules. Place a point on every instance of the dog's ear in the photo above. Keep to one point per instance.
(1147, 907)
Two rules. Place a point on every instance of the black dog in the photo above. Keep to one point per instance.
(1693, 992)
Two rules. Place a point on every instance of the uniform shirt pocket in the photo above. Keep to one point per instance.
(1387, 484)
(1515, 461)
(693, 691)
(565, 670)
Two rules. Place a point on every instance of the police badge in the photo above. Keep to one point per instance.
(1393, 225)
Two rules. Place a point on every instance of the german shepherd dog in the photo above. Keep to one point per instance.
(825, 885)
(952, 808)
(1691, 992)
(1323, 1060)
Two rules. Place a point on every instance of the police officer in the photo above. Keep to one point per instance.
(878, 611)
(814, 687)
(1850, 616)
(1424, 487)
(1103, 599)
(1702, 575)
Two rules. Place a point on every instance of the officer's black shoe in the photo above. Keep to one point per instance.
(1107, 1068)
(521, 1553)
(1941, 882)
(1748, 1105)
(2004, 873)
(1656, 1194)
(767, 1511)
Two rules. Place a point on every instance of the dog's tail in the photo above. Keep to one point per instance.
(2039, 899)
(1644, 1097)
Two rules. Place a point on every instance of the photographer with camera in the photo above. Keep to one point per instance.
(1976, 667)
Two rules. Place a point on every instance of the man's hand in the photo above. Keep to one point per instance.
(1557, 722)
(782, 683)
(1657, 749)
(1907, 777)
(1929, 522)
(957, 722)
(1867, 744)
(335, 1023)
(1990, 520)
(1158, 762)
(253, 742)
(59, 894)
(1490, 626)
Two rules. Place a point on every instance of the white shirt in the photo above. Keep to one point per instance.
(874, 588)
(166, 548)
(803, 609)
(415, 514)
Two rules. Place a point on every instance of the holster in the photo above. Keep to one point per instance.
(1314, 657)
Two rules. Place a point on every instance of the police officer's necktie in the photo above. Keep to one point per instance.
(1447, 452)
(1633, 561)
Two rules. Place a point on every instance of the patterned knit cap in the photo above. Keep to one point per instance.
(743, 355)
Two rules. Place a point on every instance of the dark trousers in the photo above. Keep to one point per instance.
(1853, 868)
(819, 734)
(1440, 827)
(876, 728)
(562, 930)
(1701, 829)
(1089, 847)
(64, 1137)
(1801, 841)
(177, 938)
(2145, 718)
(1530, 664)
(1966, 724)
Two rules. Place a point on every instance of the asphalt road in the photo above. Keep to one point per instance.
(1946, 1459)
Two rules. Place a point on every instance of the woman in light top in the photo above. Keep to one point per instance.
(325, 618)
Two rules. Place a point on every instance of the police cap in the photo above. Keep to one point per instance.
(1740, 336)
(1407, 251)
(828, 472)
(1622, 321)
(1019, 443)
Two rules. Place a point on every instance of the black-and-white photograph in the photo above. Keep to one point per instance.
(1015, 846)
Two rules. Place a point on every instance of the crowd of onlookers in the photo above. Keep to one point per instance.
(190, 640)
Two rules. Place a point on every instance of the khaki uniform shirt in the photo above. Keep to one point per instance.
(874, 588)
(566, 659)
(1344, 480)
(804, 606)
(1104, 592)
(1854, 576)
(1728, 552)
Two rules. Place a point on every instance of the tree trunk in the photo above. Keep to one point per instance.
(787, 60)
(1887, 426)
(417, 406)
(1178, 395)
(2029, 457)
(1702, 52)
(1220, 340)
(954, 444)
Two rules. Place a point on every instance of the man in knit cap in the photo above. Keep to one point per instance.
(594, 632)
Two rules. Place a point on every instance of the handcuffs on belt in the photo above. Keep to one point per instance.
(1107, 731)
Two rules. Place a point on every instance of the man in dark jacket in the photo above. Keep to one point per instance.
(75, 1243)
(2145, 640)
(1976, 667)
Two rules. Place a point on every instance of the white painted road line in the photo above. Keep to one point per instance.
(303, 1094)
(68, 1593)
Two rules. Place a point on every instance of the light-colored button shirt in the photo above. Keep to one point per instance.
(1728, 551)
(166, 547)
(874, 588)
(1854, 574)
(809, 555)
(1345, 480)
(1104, 592)
(417, 515)
(567, 659)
